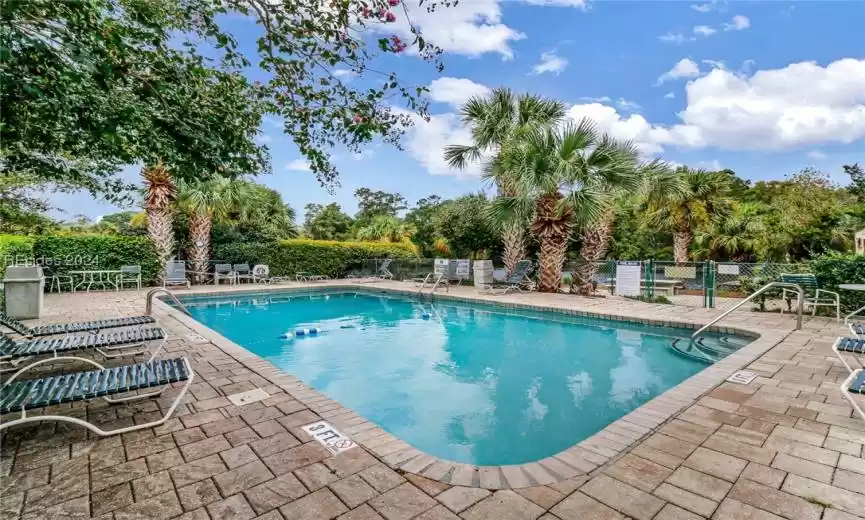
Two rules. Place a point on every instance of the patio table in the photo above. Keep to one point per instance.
(103, 277)
(852, 287)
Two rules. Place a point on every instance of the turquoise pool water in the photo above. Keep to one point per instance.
(469, 383)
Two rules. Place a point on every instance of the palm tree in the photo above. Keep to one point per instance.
(386, 228)
(595, 236)
(559, 175)
(690, 201)
(496, 120)
(738, 236)
(206, 200)
(159, 195)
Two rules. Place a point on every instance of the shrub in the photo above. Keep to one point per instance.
(14, 248)
(326, 257)
(835, 269)
(82, 252)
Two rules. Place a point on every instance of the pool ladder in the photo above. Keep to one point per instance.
(435, 278)
(152, 292)
(696, 342)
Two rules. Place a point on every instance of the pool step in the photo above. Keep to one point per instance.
(685, 348)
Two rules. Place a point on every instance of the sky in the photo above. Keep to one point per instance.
(763, 88)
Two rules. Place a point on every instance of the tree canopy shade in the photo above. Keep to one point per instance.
(88, 86)
(326, 222)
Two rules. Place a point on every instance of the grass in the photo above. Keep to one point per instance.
(658, 298)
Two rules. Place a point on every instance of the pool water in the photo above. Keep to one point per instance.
(469, 383)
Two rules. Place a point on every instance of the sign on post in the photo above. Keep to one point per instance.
(628, 276)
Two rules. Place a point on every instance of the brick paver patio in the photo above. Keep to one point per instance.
(784, 446)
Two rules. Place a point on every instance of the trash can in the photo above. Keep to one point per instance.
(483, 274)
(23, 287)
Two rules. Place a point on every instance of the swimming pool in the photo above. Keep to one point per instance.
(471, 383)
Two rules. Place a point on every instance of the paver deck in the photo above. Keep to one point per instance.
(784, 446)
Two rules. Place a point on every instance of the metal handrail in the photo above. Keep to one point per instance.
(761, 290)
(152, 292)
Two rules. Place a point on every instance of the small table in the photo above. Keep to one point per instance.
(103, 277)
(853, 287)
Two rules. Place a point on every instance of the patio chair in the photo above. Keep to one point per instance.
(383, 271)
(30, 394)
(113, 344)
(814, 295)
(858, 329)
(242, 272)
(261, 274)
(72, 327)
(175, 274)
(223, 272)
(854, 384)
(514, 281)
(853, 346)
(57, 280)
(129, 274)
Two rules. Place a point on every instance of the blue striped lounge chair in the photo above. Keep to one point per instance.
(853, 346)
(102, 383)
(73, 327)
(111, 344)
(852, 387)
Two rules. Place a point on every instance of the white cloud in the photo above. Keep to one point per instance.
(298, 165)
(714, 5)
(602, 99)
(671, 37)
(713, 165)
(715, 64)
(263, 139)
(704, 30)
(802, 104)
(624, 104)
(685, 68)
(739, 23)
(471, 28)
(344, 74)
(816, 155)
(747, 66)
(455, 91)
(550, 62)
(670, 95)
(363, 154)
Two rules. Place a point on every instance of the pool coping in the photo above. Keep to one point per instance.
(583, 458)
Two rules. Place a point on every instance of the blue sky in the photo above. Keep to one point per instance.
(763, 88)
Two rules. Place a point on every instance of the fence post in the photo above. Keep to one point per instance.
(710, 283)
(650, 278)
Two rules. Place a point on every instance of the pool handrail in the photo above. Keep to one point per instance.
(152, 292)
(800, 301)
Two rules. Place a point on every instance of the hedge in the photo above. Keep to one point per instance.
(325, 257)
(14, 248)
(835, 269)
(63, 253)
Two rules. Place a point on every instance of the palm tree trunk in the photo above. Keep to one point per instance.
(681, 245)
(595, 242)
(514, 241)
(553, 250)
(199, 236)
(160, 229)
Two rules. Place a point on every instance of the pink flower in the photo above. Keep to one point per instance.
(396, 45)
(365, 12)
(390, 17)
(393, 3)
(382, 13)
(358, 119)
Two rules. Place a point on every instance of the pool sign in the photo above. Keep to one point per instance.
(329, 437)
(742, 377)
(628, 278)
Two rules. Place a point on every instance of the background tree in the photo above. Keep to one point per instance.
(327, 222)
(206, 201)
(736, 237)
(21, 211)
(559, 174)
(464, 229)
(268, 219)
(159, 195)
(421, 217)
(687, 203)
(495, 121)
(857, 180)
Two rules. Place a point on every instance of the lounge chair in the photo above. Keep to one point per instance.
(383, 271)
(814, 295)
(113, 344)
(305, 276)
(261, 274)
(514, 281)
(20, 396)
(858, 329)
(242, 272)
(73, 327)
(223, 272)
(175, 274)
(854, 384)
(853, 346)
